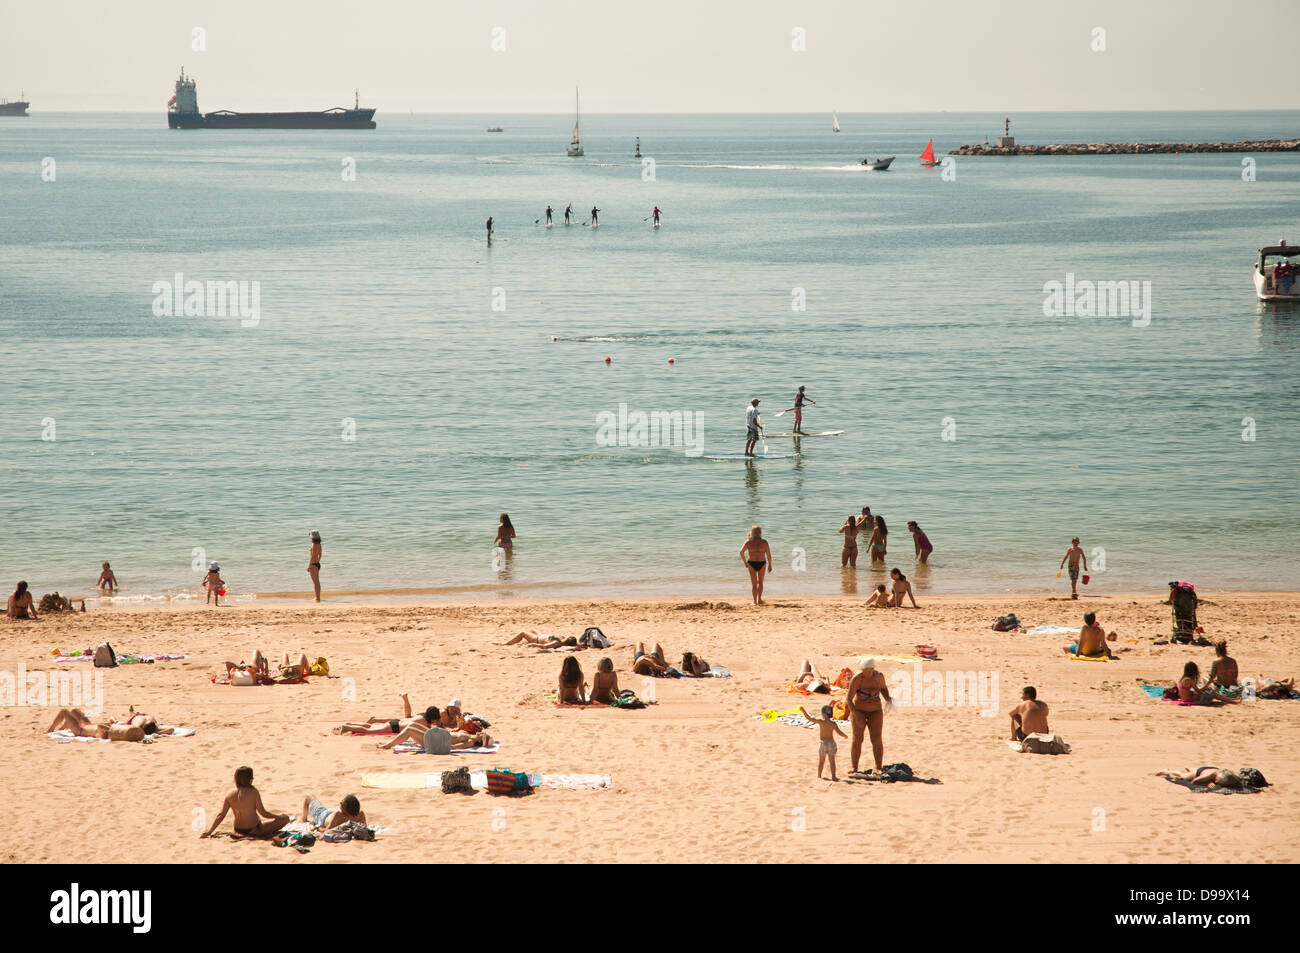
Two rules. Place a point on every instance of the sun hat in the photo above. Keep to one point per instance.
(866, 663)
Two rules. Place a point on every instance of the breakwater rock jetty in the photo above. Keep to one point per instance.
(1129, 148)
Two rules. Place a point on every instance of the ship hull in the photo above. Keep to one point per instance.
(13, 109)
(225, 119)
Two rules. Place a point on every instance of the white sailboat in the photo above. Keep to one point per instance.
(575, 147)
(835, 123)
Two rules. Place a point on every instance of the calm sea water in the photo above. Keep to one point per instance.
(924, 301)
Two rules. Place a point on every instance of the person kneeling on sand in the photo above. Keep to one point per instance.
(245, 801)
(327, 818)
(1030, 716)
(1092, 640)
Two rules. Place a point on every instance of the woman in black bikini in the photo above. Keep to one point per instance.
(849, 552)
(757, 556)
(313, 563)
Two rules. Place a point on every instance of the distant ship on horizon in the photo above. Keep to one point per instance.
(183, 113)
(18, 108)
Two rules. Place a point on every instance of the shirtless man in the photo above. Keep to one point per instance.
(1030, 716)
(20, 603)
(1092, 639)
(246, 803)
(1074, 554)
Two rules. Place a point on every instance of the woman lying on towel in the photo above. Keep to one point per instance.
(1276, 689)
(1210, 777)
(383, 726)
(811, 680)
(537, 639)
(454, 741)
(76, 721)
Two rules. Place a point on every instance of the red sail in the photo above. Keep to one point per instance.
(928, 154)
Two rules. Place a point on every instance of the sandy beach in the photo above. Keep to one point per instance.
(696, 777)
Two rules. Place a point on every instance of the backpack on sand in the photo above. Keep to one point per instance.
(105, 657)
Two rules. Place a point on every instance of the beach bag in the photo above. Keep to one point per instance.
(242, 676)
(1005, 623)
(1038, 744)
(457, 781)
(927, 652)
(320, 666)
(1252, 778)
(1170, 692)
(594, 638)
(105, 657)
(627, 699)
(505, 781)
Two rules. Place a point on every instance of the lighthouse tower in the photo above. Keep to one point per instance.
(1006, 140)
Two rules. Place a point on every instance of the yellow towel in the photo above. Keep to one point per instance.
(1089, 658)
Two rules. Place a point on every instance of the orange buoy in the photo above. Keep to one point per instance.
(671, 361)
(606, 360)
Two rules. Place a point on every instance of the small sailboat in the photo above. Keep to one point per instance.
(575, 147)
(835, 123)
(927, 157)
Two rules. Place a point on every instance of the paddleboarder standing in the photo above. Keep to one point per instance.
(656, 216)
(489, 229)
(799, 400)
(568, 212)
(548, 214)
(753, 425)
(594, 220)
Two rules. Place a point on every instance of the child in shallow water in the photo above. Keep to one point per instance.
(826, 730)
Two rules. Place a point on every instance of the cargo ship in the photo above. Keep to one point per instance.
(183, 113)
(18, 108)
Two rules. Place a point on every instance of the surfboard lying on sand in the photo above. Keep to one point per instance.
(741, 456)
(810, 433)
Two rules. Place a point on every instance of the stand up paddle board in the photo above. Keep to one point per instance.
(809, 433)
(656, 224)
(741, 456)
(550, 224)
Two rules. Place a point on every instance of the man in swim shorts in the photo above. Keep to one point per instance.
(753, 424)
(1074, 554)
(1030, 716)
(1092, 640)
(328, 818)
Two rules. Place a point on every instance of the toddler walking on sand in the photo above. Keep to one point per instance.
(827, 730)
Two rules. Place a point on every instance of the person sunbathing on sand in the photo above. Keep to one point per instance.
(20, 603)
(382, 726)
(1092, 640)
(76, 721)
(653, 663)
(245, 801)
(604, 684)
(1210, 777)
(1030, 716)
(324, 818)
(573, 687)
(1280, 688)
(811, 680)
(438, 740)
(533, 637)
(879, 599)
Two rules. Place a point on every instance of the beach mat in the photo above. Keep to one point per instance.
(413, 748)
(1089, 658)
(126, 658)
(1052, 630)
(793, 718)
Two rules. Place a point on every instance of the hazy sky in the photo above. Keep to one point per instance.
(654, 56)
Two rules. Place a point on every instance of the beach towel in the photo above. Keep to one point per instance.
(410, 747)
(64, 735)
(793, 718)
(1039, 743)
(125, 659)
(715, 671)
(1090, 658)
(1153, 691)
(478, 781)
(1203, 789)
(1052, 630)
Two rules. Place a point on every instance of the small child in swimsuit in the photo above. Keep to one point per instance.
(106, 580)
(827, 730)
(878, 599)
(214, 584)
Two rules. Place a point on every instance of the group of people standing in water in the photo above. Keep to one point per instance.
(756, 554)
